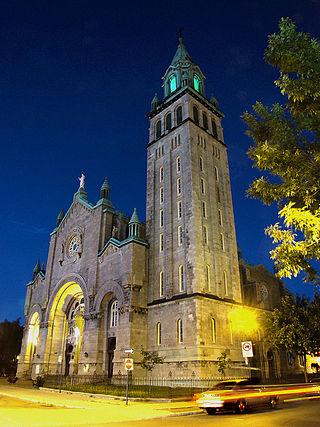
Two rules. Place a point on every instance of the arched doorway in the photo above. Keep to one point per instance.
(32, 341)
(66, 326)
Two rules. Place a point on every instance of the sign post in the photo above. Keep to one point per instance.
(128, 364)
(247, 352)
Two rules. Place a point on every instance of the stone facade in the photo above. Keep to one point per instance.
(112, 284)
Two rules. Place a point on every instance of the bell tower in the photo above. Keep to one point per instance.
(193, 264)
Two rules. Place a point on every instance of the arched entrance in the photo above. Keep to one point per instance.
(66, 325)
(32, 341)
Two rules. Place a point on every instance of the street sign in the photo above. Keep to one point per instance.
(247, 349)
(128, 364)
(129, 351)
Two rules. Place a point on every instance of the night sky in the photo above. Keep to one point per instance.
(77, 79)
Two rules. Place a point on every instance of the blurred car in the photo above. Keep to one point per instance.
(236, 395)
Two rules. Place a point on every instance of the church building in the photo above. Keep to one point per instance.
(168, 285)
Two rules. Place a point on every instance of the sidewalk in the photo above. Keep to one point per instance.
(99, 408)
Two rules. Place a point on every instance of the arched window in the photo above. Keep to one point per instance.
(178, 186)
(202, 186)
(220, 217)
(172, 83)
(205, 235)
(205, 121)
(180, 235)
(114, 314)
(204, 209)
(180, 331)
(161, 217)
(181, 279)
(179, 115)
(225, 282)
(158, 333)
(214, 129)
(161, 173)
(208, 277)
(197, 82)
(216, 173)
(213, 330)
(33, 335)
(168, 121)
(195, 114)
(161, 284)
(178, 164)
(222, 241)
(158, 129)
(201, 164)
(179, 209)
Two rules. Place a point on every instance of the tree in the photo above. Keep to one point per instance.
(287, 147)
(10, 344)
(295, 326)
(149, 360)
(223, 362)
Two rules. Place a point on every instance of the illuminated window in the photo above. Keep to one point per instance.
(179, 235)
(179, 209)
(161, 217)
(180, 331)
(161, 242)
(181, 278)
(161, 173)
(204, 209)
(172, 83)
(214, 129)
(205, 120)
(222, 241)
(179, 115)
(168, 121)
(208, 281)
(178, 164)
(158, 333)
(201, 164)
(114, 314)
(231, 333)
(216, 173)
(161, 284)
(197, 82)
(178, 186)
(218, 194)
(220, 217)
(225, 282)
(213, 330)
(205, 235)
(158, 129)
(161, 194)
(202, 186)
(196, 115)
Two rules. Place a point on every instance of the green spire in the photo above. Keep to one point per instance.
(105, 190)
(183, 72)
(36, 270)
(181, 55)
(134, 225)
(155, 102)
(60, 217)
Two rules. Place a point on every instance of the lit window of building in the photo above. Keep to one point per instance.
(181, 279)
(180, 331)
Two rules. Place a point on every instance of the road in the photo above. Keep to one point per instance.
(21, 413)
(298, 414)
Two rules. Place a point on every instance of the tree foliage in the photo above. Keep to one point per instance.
(295, 326)
(150, 359)
(223, 362)
(287, 148)
(10, 343)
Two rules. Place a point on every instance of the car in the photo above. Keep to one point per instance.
(237, 395)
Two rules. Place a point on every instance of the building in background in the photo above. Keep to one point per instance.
(171, 285)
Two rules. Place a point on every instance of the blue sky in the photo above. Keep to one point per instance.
(77, 79)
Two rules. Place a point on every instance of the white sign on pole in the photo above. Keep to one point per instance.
(247, 349)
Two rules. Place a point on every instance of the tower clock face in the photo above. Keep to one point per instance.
(74, 245)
